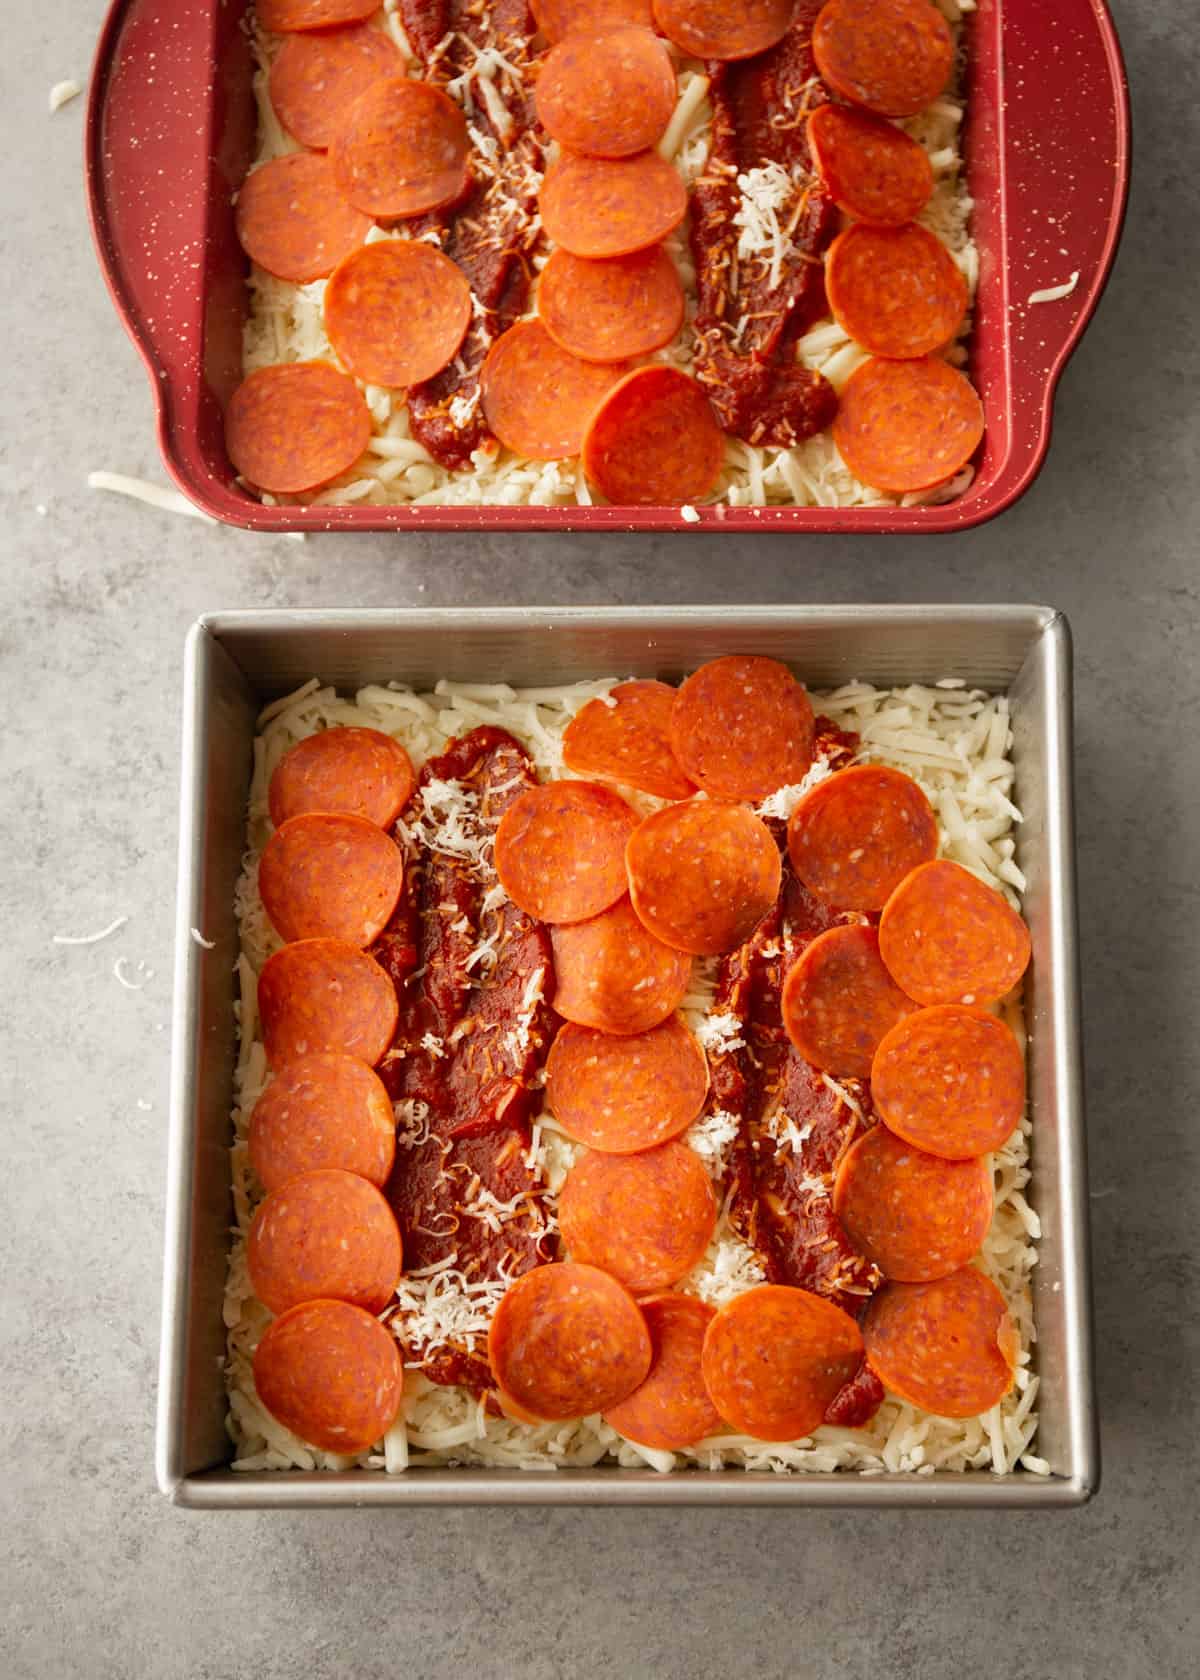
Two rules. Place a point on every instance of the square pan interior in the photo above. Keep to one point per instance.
(236, 662)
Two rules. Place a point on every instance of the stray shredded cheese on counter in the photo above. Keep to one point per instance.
(62, 94)
(90, 938)
(139, 968)
(141, 490)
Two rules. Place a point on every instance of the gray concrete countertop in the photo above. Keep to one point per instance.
(100, 1577)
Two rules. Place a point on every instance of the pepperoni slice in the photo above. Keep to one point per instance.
(611, 310)
(947, 937)
(671, 1410)
(776, 1357)
(626, 738)
(323, 876)
(354, 772)
(279, 16)
(559, 18)
(645, 1218)
(331, 1374)
(892, 56)
(839, 1001)
(325, 1235)
(605, 207)
(951, 1080)
(913, 1215)
(295, 426)
(620, 1095)
(292, 220)
(560, 850)
(703, 875)
(316, 78)
(397, 311)
(948, 1347)
(606, 95)
(896, 291)
(568, 1340)
(654, 440)
(854, 838)
(871, 169)
(321, 994)
(536, 397)
(742, 727)
(905, 426)
(723, 29)
(402, 149)
(323, 1111)
(610, 973)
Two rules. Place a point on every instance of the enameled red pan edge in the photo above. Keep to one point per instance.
(170, 131)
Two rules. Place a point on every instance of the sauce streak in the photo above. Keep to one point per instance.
(793, 1127)
(468, 1045)
(494, 231)
(751, 313)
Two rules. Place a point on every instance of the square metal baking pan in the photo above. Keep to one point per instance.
(236, 662)
(170, 133)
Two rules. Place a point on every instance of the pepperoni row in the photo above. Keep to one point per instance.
(892, 286)
(866, 839)
(562, 385)
(396, 312)
(914, 1195)
(324, 1252)
(666, 1372)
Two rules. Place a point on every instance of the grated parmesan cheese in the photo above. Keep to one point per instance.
(445, 1309)
(729, 1269)
(720, 1034)
(766, 191)
(711, 1136)
(784, 800)
(784, 1130)
(412, 1123)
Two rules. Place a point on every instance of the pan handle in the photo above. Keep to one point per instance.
(169, 124)
(1064, 159)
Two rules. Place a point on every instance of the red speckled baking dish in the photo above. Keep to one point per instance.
(170, 133)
